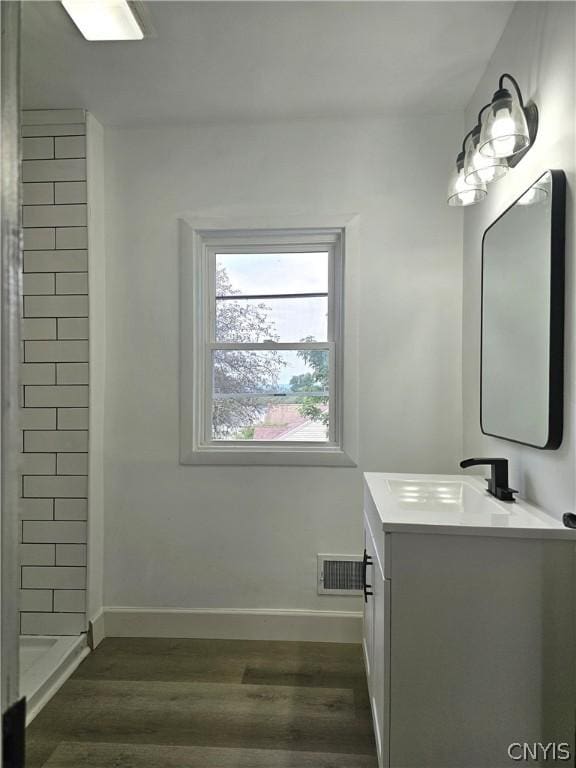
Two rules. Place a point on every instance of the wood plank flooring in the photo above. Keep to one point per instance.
(160, 703)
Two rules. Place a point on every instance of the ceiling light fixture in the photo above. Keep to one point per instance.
(497, 143)
(104, 19)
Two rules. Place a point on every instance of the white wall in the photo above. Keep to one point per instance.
(537, 47)
(247, 537)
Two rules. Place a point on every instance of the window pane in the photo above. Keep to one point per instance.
(255, 320)
(290, 418)
(283, 371)
(253, 274)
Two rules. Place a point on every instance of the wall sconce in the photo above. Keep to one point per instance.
(505, 131)
(460, 191)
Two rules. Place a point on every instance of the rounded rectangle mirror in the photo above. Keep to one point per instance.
(522, 344)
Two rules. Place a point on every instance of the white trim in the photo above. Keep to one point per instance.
(97, 369)
(96, 631)
(235, 624)
(197, 239)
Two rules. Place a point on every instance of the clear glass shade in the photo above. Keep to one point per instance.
(460, 192)
(479, 169)
(537, 193)
(505, 129)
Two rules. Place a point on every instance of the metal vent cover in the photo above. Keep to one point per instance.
(340, 575)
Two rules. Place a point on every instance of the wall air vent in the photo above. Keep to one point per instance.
(340, 575)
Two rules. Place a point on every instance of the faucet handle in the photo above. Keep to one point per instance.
(504, 494)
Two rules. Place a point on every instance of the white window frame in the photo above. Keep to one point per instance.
(198, 246)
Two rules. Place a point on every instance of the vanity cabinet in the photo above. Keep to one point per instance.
(376, 640)
(468, 642)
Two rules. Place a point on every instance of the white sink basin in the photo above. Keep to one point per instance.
(455, 504)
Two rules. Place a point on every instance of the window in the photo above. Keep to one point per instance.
(265, 310)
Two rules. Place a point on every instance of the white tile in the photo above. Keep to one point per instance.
(63, 486)
(71, 509)
(40, 148)
(36, 599)
(39, 418)
(54, 170)
(63, 129)
(76, 282)
(72, 418)
(68, 441)
(56, 306)
(39, 554)
(54, 215)
(66, 396)
(71, 554)
(38, 328)
(71, 237)
(57, 351)
(38, 463)
(70, 146)
(39, 193)
(56, 531)
(36, 509)
(63, 577)
(73, 328)
(39, 239)
(72, 464)
(72, 373)
(38, 373)
(56, 116)
(56, 261)
(37, 283)
(52, 623)
(70, 600)
(70, 192)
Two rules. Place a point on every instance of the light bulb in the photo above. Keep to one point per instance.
(505, 129)
(479, 169)
(502, 133)
(461, 193)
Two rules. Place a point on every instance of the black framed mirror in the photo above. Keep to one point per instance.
(522, 324)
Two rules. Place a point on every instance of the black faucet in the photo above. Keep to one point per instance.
(498, 480)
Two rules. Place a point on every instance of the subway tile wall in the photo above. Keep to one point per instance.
(54, 375)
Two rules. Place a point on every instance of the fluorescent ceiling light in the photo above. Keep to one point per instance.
(104, 19)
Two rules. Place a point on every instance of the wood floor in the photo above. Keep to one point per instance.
(148, 703)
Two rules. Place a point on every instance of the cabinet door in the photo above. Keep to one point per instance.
(380, 674)
(368, 630)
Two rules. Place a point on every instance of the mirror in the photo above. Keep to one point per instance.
(523, 318)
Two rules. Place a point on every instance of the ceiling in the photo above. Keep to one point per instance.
(238, 61)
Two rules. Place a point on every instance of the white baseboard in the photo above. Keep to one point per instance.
(234, 624)
(96, 632)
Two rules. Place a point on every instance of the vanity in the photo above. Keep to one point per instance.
(468, 635)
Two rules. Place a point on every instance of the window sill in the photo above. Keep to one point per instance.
(264, 456)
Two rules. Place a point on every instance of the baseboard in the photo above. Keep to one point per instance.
(310, 626)
(96, 630)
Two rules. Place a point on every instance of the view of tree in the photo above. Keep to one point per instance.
(238, 371)
(313, 408)
(304, 382)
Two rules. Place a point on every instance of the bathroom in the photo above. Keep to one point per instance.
(174, 533)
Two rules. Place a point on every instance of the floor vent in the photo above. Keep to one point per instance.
(339, 575)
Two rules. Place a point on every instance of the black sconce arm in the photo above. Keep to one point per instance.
(514, 83)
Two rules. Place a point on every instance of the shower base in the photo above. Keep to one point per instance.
(45, 664)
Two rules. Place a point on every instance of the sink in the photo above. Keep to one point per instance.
(455, 504)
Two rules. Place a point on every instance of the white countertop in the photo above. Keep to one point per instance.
(455, 504)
